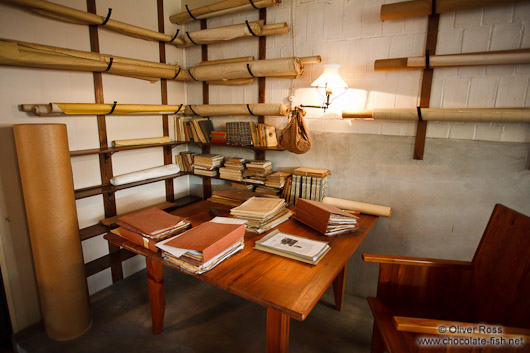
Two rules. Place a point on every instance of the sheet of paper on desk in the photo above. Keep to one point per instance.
(228, 220)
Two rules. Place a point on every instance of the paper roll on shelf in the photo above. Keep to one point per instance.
(263, 109)
(416, 8)
(362, 207)
(141, 141)
(61, 109)
(145, 174)
(71, 15)
(503, 57)
(47, 184)
(483, 115)
(226, 33)
(219, 9)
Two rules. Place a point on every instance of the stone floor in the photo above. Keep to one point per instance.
(201, 318)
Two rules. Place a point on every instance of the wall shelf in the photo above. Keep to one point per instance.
(108, 189)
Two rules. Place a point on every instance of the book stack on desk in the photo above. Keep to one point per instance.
(326, 219)
(231, 196)
(293, 247)
(308, 183)
(257, 171)
(207, 164)
(150, 226)
(203, 247)
(233, 169)
(262, 213)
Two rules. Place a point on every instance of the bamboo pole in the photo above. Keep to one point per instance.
(504, 57)
(220, 8)
(264, 109)
(16, 53)
(68, 14)
(227, 61)
(425, 7)
(482, 115)
(238, 82)
(311, 59)
(239, 31)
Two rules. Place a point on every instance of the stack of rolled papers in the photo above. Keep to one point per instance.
(262, 213)
(145, 174)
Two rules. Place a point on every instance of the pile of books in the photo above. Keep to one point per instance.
(293, 247)
(257, 171)
(233, 169)
(193, 130)
(277, 179)
(262, 213)
(325, 218)
(308, 183)
(149, 226)
(185, 161)
(231, 196)
(207, 164)
(203, 247)
(267, 191)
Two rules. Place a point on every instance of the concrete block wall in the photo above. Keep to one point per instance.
(350, 33)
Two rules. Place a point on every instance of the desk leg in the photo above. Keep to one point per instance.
(157, 297)
(277, 331)
(339, 284)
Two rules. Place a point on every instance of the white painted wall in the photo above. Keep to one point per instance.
(25, 85)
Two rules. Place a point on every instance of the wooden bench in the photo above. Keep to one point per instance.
(420, 298)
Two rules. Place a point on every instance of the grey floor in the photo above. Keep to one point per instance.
(200, 318)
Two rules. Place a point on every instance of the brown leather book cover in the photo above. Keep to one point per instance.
(151, 221)
(316, 214)
(209, 238)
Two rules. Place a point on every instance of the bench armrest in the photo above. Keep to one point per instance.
(458, 328)
(416, 261)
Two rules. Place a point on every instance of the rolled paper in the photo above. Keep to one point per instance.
(425, 7)
(263, 109)
(145, 174)
(226, 33)
(142, 141)
(502, 57)
(71, 15)
(17, 53)
(484, 115)
(220, 8)
(60, 109)
(362, 207)
(47, 184)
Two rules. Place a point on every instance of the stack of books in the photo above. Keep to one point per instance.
(277, 179)
(325, 218)
(203, 247)
(207, 164)
(231, 196)
(308, 183)
(262, 213)
(267, 191)
(257, 171)
(239, 133)
(233, 169)
(185, 161)
(193, 130)
(293, 247)
(149, 226)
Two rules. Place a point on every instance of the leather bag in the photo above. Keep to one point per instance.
(295, 136)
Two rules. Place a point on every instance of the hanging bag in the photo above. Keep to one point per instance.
(295, 136)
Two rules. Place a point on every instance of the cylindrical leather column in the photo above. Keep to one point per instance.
(48, 187)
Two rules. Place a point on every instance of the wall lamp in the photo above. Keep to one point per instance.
(328, 83)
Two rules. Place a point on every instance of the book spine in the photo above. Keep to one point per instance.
(323, 188)
(304, 187)
(138, 239)
(308, 188)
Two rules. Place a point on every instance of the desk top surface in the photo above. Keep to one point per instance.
(286, 285)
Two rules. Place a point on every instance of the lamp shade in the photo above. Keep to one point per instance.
(330, 78)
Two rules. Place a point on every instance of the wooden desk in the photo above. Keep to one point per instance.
(287, 288)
